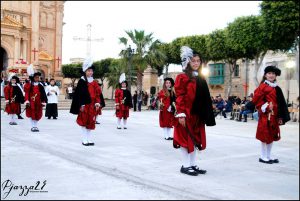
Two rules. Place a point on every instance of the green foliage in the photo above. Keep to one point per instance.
(281, 21)
(71, 70)
(246, 37)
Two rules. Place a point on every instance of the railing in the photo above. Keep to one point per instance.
(216, 80)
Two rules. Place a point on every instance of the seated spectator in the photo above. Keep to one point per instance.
(247, 109)
(228, 107)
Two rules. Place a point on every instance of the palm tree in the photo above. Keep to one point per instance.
(146, 52)
(115, 70)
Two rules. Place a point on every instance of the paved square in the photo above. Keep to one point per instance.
(139, 164)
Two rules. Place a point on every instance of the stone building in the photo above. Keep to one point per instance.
(31, 32)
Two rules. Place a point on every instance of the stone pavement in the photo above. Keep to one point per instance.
(139, 164)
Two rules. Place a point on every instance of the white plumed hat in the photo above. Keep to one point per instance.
(122, 78)
(186, 54)
(88, 62)
(30, 70)
(10, 76)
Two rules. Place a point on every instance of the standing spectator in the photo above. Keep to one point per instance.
(140, 101)
(135, 100)
(145, 98)
(52, 92)
(70, 91)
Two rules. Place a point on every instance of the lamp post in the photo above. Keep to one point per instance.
(130, 53)
(289, 66)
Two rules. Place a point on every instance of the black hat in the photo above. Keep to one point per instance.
(37, 74)
(274, 69)
(170, 79)
(15, 78)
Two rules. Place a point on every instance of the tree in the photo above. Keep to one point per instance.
(281, 21)
(102, 68)
(72, 71)
(156, 58)
(219, 47)
(247, 34)
(143, 42)
(114, 71)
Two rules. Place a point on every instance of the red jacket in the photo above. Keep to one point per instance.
(165, 117)
(123, 111)
(185, 90)
(267, 132)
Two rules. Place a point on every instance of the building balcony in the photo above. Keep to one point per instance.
(215, 80)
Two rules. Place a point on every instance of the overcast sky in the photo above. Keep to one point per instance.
(167, 20)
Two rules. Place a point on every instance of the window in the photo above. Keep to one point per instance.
(237, 71)
(216, 75)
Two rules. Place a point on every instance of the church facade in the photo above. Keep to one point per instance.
(31, 33)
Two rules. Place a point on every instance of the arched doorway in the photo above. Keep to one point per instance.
(4, 59)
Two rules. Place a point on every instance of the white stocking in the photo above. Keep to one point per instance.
(263, 151)
(166, 133)
(169, 132)
(269, 148)
(31, 122)
(125, 123)
(119, 123)
(35, 123)
(185, 157)
(193, 157)
(88, 135)
(84, 134)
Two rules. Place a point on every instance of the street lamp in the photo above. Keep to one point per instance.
(130, 53)
(205, 71)
(289, 66)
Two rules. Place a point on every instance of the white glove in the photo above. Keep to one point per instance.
(97, 105)
(44, 104)
(26, 102)
(169, 109)
(6, 101)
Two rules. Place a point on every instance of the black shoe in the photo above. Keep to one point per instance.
(188, 171)
(54, 118)
(263, 161)
(85, 144)
(97, 122)
(170, 138)
(49, 117)
(125, 127)
(119, 128)
(166, 138)
(199, 171)
(14, 123)
(91, 144)
(10, 123)
(20, 117)
(274, 160)
(36, 129)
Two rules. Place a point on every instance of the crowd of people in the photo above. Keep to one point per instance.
(237, 107)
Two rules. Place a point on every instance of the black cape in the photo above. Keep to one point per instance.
(283, 112)
(81, 97)
(202, 105)
(128, 100)
(102, 101)
(19, 95)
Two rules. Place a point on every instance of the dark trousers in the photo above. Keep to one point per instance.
(51, 110)
(140, 106)
(134, 106)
